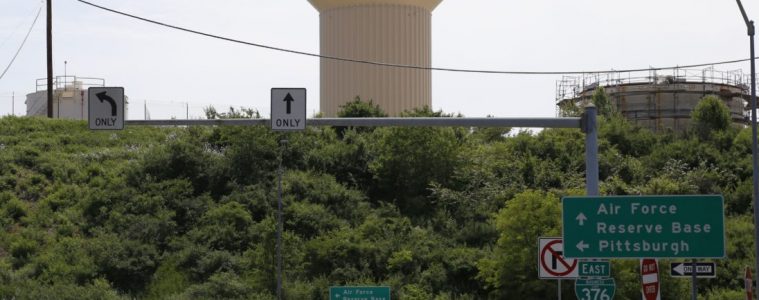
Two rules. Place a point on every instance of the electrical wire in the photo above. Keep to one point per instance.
(15, 29)
(22, 43)
(383, 64)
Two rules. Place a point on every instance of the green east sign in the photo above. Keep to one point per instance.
(594, 269)
(644, 226)
(359, 293)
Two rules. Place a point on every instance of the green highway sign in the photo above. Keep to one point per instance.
(595, 289)
(359, 292)
(644, 226)
(594, 269)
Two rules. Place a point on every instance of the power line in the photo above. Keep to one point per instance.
(15, 29)
(383, 64)
(22, 43)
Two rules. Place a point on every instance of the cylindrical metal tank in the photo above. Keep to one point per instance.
(389, 31)
(69, 97)
(659, 102)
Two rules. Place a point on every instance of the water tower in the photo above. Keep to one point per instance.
(390, 31)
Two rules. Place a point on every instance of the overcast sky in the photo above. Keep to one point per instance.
(167, 68)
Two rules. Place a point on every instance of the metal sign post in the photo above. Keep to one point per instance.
(591, 150)
(693, 286)
(288, 113)
(751, 30)
(748, 284)
(280, 294)
(587, 123)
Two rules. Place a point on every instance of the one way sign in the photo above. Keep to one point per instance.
(685, 269)
(288, 109)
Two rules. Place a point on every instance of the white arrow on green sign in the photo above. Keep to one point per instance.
(644, 226)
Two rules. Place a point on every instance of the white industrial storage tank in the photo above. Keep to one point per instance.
(388, 31)
(69, 97)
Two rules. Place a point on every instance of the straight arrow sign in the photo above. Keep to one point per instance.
(289, 99)
(288, 109)
(581, 219)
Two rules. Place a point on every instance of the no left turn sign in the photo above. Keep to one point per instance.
(551, 261)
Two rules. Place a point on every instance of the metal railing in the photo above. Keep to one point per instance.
(64, 82)
(571, 87)
(373, 122)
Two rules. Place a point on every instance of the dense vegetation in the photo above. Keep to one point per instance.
(434, 213)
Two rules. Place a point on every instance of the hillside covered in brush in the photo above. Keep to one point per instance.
(434, 213)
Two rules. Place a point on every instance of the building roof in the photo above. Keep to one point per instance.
(323, 5)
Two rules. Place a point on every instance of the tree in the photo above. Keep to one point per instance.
(242, 113)
(510, 272)
(407, 160)
(226, 227)
(358, 109)
(490, 134)
(570, 108)
(602, 102)
(710, 114)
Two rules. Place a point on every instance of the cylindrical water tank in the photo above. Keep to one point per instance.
(389, 31)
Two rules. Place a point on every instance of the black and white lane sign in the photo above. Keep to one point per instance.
(685, 269)
(551, 261)
(288, 109)
(105, 108)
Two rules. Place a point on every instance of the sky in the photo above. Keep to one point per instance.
(173, 73)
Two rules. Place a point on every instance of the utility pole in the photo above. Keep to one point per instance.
(755, 153)
(49, 58)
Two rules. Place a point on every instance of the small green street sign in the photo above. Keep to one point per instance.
(359, 292)
(594, 269)
(644, 226)
(595, 289)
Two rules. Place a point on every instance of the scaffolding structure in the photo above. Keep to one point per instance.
(657, 99)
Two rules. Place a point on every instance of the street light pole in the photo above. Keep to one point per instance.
(49, 32)
(755, 153)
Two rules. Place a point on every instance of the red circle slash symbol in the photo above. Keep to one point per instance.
(556, 257)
